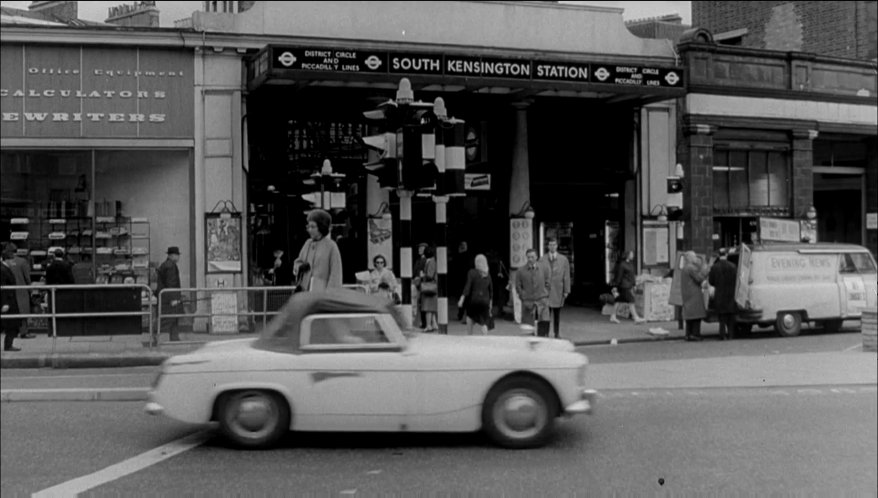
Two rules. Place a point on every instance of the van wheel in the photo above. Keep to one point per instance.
(788, 324)
(832, 325)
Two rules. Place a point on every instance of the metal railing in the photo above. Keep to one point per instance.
(257, 302)
(53, 315)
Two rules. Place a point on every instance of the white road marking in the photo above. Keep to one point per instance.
(349, 492)
(858, 346)
(124, 468)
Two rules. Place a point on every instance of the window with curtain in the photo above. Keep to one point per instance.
(753, 182)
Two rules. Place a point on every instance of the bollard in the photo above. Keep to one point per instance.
(869, 326)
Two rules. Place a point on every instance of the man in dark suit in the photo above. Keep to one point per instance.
(8, 303)
(168, 277)
(60, 271)
(722, 277)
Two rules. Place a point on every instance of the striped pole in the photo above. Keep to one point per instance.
(441, 202)
(405, 253)
(455, 157)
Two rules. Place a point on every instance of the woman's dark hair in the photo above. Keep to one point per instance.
(429, 252)
(377, 257)
(322, 219)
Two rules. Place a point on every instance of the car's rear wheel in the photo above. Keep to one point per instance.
(519, 413)
(253, 418)
(789, 323)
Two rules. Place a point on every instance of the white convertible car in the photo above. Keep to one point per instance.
(338, 361)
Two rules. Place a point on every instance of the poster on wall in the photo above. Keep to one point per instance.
(520, 240)
(223, 242)
(380, 240)
(223, 313)
(655, 245)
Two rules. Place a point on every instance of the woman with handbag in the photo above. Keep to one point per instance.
(382, 281)
(478, 294)
(429, 291)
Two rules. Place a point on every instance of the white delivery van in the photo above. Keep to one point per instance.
(788, 284)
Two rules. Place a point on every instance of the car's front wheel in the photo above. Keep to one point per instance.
(519, 413)
(253, 418)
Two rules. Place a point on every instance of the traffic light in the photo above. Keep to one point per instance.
(406, 147)
(387, 166)
(419, 171)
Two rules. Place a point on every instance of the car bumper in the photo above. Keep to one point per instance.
(584, 405)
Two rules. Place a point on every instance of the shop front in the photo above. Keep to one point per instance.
(777, 139)
(96, 161)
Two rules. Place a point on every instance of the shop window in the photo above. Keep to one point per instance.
(751, 182)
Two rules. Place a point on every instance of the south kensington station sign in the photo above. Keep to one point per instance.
(280, 59)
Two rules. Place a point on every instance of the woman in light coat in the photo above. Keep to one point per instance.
(318, 267)
(692, 278)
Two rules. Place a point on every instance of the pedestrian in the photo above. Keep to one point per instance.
(499, 280)
(8, 302)
(460, 266)
(59, 271)
(624, 286)
(559, 282)
(532, 285)
(691, 279)
(478, 293)
(418, 272)
(429, 291)
(318, 266)
(382, 281)
(168, 277)
(21, 269)
(722, 277)
(280, 273)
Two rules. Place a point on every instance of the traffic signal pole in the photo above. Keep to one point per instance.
(405, 253)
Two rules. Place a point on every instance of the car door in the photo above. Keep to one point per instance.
(358, 374)
(851, 286)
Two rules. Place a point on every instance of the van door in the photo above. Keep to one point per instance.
(851, 286)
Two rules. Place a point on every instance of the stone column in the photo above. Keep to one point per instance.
(698, 188)
(871, 195)
(802, 172)
(519, 186)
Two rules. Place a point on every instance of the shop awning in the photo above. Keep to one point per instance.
(613, 81)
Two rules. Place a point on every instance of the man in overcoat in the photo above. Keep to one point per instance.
(8, 303)
(692, 277)
(559, 281)
(168, 277)
(532, 285)
(21, 270)
(722, 277)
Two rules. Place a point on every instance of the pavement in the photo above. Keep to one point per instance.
(582, 326)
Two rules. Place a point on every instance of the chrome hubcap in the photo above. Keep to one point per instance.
(789, 321)
(520, 414)
(254, 415)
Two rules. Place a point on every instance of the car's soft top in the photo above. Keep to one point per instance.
(282, 333)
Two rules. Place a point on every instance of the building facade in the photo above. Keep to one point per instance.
(208, 133)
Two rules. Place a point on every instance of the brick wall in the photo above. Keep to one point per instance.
(698, 188)
(837, 29)
(803, 171)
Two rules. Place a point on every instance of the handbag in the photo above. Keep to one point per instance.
(429, 288)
